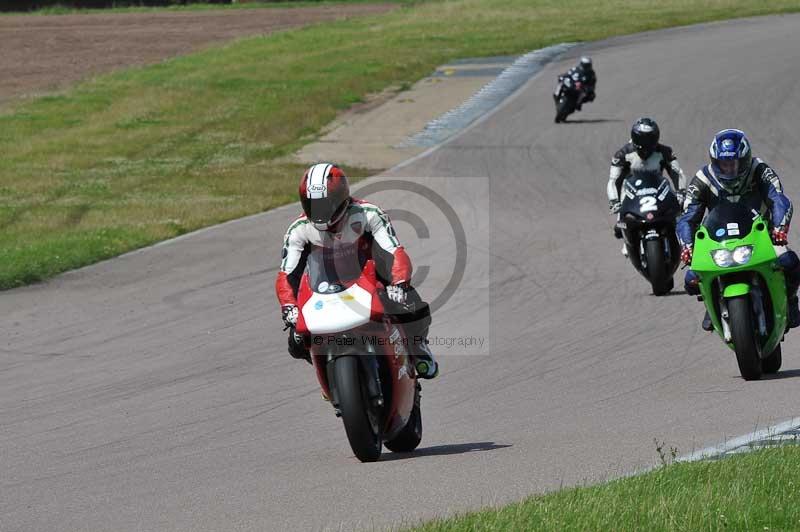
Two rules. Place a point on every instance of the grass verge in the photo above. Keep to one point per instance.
(145, 154)
(252, 4)
(753, 491)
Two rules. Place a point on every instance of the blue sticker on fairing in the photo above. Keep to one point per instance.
(318, 305)
(720, 232)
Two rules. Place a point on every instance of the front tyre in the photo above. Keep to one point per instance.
(361, 419)
(744, 337)
(562, 110)
(773, 362)
(657, 271)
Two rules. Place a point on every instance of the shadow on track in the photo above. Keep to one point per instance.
(592, 121)
(787, 374)
(672, 293)
(444, 450)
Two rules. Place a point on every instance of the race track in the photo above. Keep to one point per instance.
(154, 392)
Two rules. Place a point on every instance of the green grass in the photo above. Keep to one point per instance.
(252, 4)
(145, 154)
(754, 491)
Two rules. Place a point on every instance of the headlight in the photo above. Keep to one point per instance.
(739, 256)
(742, 254)
(722, 258)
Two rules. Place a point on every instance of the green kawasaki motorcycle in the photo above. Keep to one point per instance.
(742, 286)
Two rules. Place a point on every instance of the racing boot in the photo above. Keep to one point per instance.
(424, 363)
(707, 325)
(617, 233)
(793, 312)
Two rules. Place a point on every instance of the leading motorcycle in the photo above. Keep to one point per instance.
(742, 286)
(360, 354)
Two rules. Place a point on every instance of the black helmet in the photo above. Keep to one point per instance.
(585, 63)
(644, 136)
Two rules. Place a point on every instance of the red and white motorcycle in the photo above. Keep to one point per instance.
(360, 354)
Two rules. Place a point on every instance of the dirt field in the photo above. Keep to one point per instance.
(44, 53)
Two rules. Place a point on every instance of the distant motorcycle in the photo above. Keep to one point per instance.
(647, 218)
(568, 92)
(361, 355)
(742, 286)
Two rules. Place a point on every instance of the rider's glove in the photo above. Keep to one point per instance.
(780, 235)
(290, 314)
(686, 255)
(397, 293)
(614, 206)
(681, 194)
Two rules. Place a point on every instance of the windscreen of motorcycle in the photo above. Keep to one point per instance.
(647, 194)
(337, 303)
(334, 268)
(729, 221)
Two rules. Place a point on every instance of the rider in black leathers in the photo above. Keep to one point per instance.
(584, 72)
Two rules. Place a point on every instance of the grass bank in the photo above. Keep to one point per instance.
(252, 4)
(145, 154)
(754, 491)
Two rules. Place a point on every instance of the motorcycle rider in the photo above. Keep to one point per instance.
(642, 152)
(734, 175)
(583, 72)
(332, 217)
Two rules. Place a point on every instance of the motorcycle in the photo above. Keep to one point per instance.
(647, 220)
(742, 286)
(360, 354)
(568, 92)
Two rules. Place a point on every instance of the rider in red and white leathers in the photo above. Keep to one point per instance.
(332, 219)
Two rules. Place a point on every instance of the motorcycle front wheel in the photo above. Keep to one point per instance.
(744, 337)
(657, 271)
(562, 110)
(773, 362)
(361, 419)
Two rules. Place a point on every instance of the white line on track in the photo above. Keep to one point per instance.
(754, 440)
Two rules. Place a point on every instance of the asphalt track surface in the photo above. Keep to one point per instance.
(153, 392)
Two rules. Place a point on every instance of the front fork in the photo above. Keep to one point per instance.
(757, 303)
(370, 371)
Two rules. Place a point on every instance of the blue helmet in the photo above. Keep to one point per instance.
(731, 157)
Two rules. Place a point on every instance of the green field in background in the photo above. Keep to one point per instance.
(254, 4)
(145, 154)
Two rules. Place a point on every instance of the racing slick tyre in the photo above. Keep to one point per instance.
(408, 439)
(744, 338)
(773, 362)
(562, 110)
(361, 419)
(657, 271)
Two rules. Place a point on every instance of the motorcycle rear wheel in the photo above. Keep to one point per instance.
(358, 414)
(744, 337)
(408, 439)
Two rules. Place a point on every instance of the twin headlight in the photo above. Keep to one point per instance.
(725, 258)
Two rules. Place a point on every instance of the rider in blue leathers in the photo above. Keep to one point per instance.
(734, 175)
